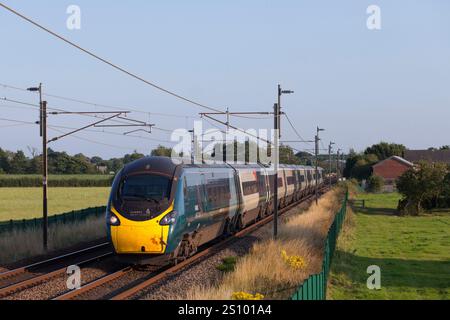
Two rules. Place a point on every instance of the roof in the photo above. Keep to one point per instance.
(396, 158)
(428, 155)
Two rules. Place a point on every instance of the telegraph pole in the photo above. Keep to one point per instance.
(44, 174)
(276, 109)
(277, 127)
(43, 134)
(338, 165)
(192, 132)
(317, 164)
(330, 147)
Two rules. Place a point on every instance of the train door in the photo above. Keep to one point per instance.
(193, 199)
(281, 187)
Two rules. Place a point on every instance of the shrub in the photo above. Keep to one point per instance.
(33, 181)
(420, 186)
(375, 184)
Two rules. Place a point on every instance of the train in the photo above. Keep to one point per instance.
(161, 212)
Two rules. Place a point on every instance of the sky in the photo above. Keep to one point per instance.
(363, 86)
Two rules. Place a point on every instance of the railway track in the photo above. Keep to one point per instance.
(32, 275)
(129, 291)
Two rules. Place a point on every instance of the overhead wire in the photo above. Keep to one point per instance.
(295, 130)
(29, 105)
(103, 60)
(99, 105)
(93, 141)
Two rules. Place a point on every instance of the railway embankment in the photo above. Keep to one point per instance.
(257, 265)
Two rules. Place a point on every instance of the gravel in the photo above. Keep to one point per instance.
(57, 286)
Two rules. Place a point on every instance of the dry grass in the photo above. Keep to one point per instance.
(265, 271)
(20, 245)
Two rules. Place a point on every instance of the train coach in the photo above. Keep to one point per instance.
(159, 212)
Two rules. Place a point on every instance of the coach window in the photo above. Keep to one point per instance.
(290, 180)
(280, 182)
(191, 185)
(249, 187)
(261, 184)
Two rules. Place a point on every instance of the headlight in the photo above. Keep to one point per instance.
(113, 220)
(169, 219)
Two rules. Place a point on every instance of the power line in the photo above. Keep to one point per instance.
(113, 133)
(55, 127)
(30, 106)
(17, 121)
(62, 111)
(92, 141)
(13, 125)
(18, 107)
(295, 130)
(121, 69)
(99, 105)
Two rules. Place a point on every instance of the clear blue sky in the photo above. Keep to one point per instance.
(362, 86)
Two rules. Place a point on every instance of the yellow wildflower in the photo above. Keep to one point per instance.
(294, 262)
(246, 296)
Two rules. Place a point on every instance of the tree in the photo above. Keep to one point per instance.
(287, 155)
(19, 163)
(446, 190)
(97, 160)
(375, 184)
(384, 150)
(420, 184)
(35, 165)
(447, 147)
(5, 165)
(359, 166)
(161, 151)
(132, 157)
(305, 158)
(115, 165)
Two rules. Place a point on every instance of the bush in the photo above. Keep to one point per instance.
(375, 184)
(423, 187)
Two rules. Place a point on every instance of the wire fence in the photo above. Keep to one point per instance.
(65, 218)
(315, 288)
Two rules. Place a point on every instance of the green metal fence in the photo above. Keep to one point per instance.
(315, 288)
(69, 217)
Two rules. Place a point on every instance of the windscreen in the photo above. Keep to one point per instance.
(146, 187)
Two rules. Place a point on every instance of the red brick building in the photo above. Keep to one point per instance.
(390, 169)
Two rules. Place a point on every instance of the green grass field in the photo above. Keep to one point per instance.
(26, 203)
(412, 252)
(59, 176)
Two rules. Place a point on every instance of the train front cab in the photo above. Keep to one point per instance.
(142, 209)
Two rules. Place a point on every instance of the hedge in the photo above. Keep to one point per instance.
(32, 181)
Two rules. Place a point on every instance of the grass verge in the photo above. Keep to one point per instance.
(412, 252)
(21, 245)
(274, 269)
